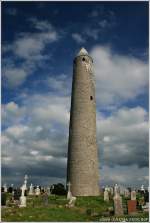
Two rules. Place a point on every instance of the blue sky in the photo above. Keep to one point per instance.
(39, 43)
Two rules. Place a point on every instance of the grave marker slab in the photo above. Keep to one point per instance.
(132, 206)
(118, 205)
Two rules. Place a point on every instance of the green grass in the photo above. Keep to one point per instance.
(86, 209)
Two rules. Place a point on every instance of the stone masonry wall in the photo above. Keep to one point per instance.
(82, 169)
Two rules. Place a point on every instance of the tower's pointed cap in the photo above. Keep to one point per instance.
(83, 51)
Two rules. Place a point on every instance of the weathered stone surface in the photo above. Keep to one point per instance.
(131, 206)
(126, 193)
(133, 195)
(37, 191)
(118, 208)
(106, 195)
(31, 191)
(82, 168)
(71, 202)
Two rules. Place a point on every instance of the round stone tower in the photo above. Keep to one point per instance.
(82, 167)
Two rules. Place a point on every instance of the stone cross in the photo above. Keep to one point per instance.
(69, 194)
(23, 188)
(25, 181)
(69, 186)
(31, 190)
(23, 198)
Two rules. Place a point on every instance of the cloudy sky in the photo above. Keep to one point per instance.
(39, 43)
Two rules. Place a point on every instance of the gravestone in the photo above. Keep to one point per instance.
(126, 193)
(5, 188)
(122, 189)
(25, 181)
(116, 189)
(69, 194)
(72, 202)
(31, 192)
(106, 195)
(118, 208)
(111, 191)
(37, 191)
(133, 195)
(45, 198)
(23, 197)
(131, 206)
(48, 189)
(118, 205)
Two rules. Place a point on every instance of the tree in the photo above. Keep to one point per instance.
(59, 189)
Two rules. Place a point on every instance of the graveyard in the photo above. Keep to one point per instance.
(43, 206)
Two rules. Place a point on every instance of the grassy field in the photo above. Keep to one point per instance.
(86, 209)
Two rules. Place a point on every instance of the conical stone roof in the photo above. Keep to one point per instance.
(82, 52)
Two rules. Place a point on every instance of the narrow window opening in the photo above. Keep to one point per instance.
(91, 97)
(83, 59)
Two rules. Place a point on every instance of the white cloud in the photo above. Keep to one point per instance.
(35, 137)
(28, 47)
(78, 38)
(92, 33)
(124, 175)
(12, 114)
(15, 76)
(16, 131)
(123, 137)
(118, 78)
